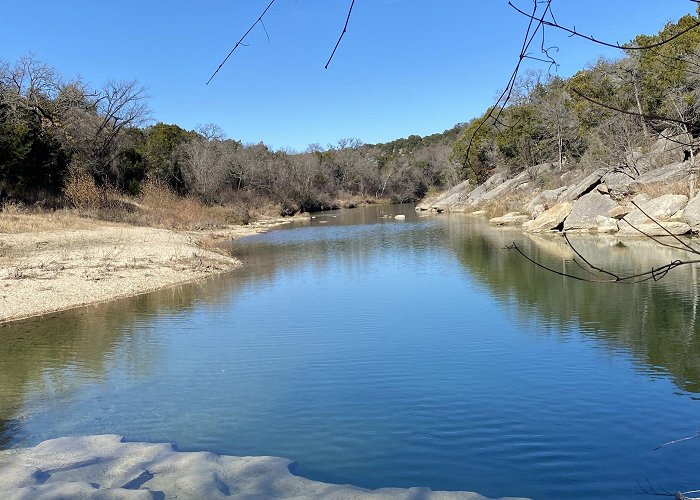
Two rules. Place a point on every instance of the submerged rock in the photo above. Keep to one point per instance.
(105, 467)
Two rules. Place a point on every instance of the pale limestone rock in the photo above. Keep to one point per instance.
(105, 467)
(691, 213)
(619, 212)
(653, 229)
(585, 210)
(510, 219)
(550, 219)
(606, 224)
(664, 207)
(586, 184)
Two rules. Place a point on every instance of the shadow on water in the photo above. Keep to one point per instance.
(656, 321)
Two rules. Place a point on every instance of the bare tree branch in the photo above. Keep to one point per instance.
(615, 45)
(696, 436)
(240, 42)
(345, 29)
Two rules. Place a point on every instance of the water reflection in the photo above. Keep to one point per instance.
(357, 343)
(657, 321)
(59, 354)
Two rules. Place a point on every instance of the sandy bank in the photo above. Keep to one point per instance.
(105, 467)
(44, 269)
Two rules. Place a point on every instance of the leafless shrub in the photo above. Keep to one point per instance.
(82, 192)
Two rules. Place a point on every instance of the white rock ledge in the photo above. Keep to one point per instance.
(106, 467)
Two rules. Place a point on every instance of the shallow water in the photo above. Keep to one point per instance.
(382, 353)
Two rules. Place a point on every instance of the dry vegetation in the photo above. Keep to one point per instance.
(508, 202)
(101, 249)
(155, 206)
(660, 188)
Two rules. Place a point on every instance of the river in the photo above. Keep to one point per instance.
(383, 352)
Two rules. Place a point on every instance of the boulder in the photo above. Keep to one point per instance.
(582, 187)
(691, 213)
(500, 189)
(585, 210)
(668, 173)
(619, 212)
(488, 184)
(606, 224)
(620, 182)
(550, 219)
(542, 169)
(445, 201)
(662, 209)
(537, 210)
(652, 229)
(547, 198)
(510, 219)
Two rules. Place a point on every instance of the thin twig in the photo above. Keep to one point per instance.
(345, 29)
(697, 435)
(631, 113)
(240, 42)
(566, 237)
(615, 45)
(687, 247)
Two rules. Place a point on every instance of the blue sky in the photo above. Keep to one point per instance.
(404, 67)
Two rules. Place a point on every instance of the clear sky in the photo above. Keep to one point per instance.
(404, 67)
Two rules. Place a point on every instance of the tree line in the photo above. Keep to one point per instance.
(53, 130)
(603, 115)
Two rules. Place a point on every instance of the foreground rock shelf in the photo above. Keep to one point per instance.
(106, 467)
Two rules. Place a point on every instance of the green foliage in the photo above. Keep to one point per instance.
(32, 163)
(160, 152)
(474, 149)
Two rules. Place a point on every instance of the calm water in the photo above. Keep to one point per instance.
(388, 353)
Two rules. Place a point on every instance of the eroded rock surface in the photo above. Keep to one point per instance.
(105, 467)
(549, 219)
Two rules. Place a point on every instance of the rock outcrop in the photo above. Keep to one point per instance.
(665, 213)
(691, 213)
(550, 219)
(577, 190)
(105, 467)
(597, 201)
(510, 219)
(586, 209)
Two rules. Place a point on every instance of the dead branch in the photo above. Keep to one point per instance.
(572, 32)
(345, 29)
(696, 436)
(240, 42)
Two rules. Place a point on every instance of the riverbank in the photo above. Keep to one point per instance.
(58, 260)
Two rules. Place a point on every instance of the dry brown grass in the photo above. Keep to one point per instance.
(81, 192)
(660, 188)
(509, 202)
(158, 206)
(15, 218)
